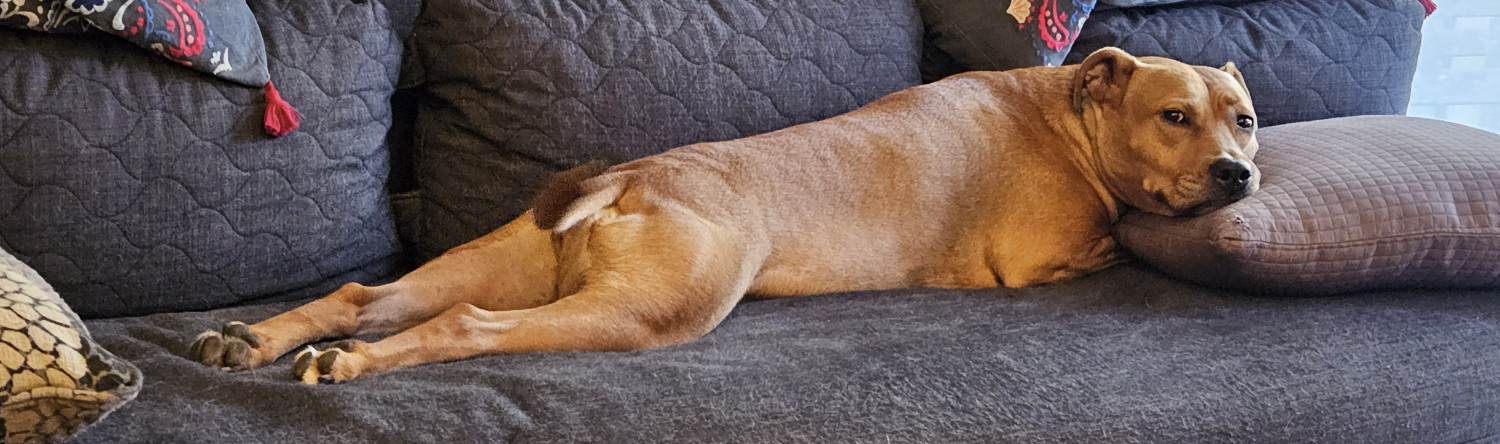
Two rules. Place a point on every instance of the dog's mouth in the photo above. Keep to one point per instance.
(1190, 195)
(1198, 206)
(1206, 206)
(1183, 210)
(1198, 209)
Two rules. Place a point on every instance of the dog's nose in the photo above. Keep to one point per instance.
(1231, 175)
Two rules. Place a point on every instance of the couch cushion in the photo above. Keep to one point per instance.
(520, 89)
(1125, 355)
(403, 15)
(135, 185)
(1302, 59)
(1349, 204)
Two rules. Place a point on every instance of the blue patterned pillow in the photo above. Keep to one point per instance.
(218, 37)
(996, 35)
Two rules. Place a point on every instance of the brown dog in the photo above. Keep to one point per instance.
(979, 180)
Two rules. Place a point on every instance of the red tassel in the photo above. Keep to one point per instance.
(1429, 5)
(280, 117)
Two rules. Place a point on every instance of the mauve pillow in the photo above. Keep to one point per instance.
(1347, 204)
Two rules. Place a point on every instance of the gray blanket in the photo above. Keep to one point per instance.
(1123, 356)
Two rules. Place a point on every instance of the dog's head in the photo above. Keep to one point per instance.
(1170, 138)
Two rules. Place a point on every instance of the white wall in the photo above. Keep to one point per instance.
(1458, 71)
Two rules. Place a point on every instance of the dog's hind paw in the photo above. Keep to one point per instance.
(233, 347)
(335, 364)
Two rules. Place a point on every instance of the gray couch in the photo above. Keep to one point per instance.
(145, 193)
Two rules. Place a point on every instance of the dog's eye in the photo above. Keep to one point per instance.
(1245, 122)
(1174, 116)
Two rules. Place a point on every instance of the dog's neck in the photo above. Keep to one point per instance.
(1081, 147)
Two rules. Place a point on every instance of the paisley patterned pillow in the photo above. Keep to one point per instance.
(53, 378)
(996, 35)
(219, 37)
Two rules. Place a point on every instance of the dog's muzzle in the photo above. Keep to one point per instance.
(1231, 177)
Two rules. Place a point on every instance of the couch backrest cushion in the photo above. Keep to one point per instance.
(520, 89)
(136, 186)
(1302, 59)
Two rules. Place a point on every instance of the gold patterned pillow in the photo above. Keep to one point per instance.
(53, 378)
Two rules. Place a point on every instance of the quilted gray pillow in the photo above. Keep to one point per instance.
(1350, 204)
(136, 186)
(520, 89)
(1303, 59)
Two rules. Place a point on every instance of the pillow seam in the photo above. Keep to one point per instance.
(1362, 242)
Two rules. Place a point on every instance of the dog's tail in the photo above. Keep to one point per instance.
(570, 197)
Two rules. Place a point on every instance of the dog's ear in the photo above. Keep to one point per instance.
(1102, 77)
(1235, 71)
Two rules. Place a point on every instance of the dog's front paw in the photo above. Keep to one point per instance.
(233, 347)
(337, 363)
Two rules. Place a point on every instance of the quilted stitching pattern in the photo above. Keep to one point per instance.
(520, 89)
(138, 186)
(1359, 203)
(1302, 59)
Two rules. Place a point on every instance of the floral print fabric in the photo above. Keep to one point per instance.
(218, 37)
(996, 35)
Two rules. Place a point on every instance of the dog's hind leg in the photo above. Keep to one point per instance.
(650, 282)
(509, 269)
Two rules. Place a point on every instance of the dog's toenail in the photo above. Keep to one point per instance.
(242, 331)
(236, 353)
(208, 349)
(325, 362)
